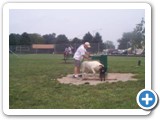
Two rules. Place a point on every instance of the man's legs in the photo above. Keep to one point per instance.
(76, 68)
(76, 71)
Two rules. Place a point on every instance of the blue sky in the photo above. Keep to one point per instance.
(110, 23)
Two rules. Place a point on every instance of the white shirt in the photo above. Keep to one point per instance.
(79, 53)
(66, 50)
(69, 50)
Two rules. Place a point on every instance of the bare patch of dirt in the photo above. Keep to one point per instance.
(94, 80)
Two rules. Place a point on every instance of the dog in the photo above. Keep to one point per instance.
(102, 73)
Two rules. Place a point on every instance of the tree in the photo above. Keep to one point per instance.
(138, 40)
(36, 38)
(87, 38)
(50, 38)
(61, 39)
(98, 43)
(25, 39)
(124, 42)
(14, 39)
(61, 43)
(134, 39)
(97, 38)
(76, 40)
(109, 45)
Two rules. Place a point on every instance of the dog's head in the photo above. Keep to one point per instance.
(102, 69)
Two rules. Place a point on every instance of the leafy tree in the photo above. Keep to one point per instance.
(14, 39)
(134, 39)
(25, 39)
(124, 42)
(97, 38)
(87, 38)
(36, 38)
(50, 38)
(61, 43)
(62, 39)
(138, 40)
(109, 45)
(76, 40)
(97, 43)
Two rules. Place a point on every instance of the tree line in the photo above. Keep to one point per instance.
(34, 38)
(134, 39)
(61, 40)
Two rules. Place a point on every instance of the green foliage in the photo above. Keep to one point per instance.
(76, 40)
(97, 38)
(134, 39)
(14, 39)
(33, 84)
(50, 38)
(109, 45)
(61, 39)
(138, 40)
(124, 41)
(36, 38)
(25, 39)
(87, 38)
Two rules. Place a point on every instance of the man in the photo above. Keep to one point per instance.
(69, 50)
(79, 55)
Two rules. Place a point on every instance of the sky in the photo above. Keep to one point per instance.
(110, 23)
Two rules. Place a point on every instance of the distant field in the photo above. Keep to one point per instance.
(33, 84)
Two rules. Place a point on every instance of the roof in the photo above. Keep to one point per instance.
(42, 46)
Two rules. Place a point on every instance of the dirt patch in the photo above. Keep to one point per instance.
(94, 80)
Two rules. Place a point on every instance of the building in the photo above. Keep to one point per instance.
(43, 48)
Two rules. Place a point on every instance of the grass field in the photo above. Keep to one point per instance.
(33, 84)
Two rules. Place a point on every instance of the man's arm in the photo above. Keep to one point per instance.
(86, 57)
(87, 53)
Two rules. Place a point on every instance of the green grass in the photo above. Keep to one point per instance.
(33, 84)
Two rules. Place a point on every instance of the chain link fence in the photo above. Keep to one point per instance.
(57, 49)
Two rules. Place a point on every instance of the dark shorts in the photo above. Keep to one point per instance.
(77, 63)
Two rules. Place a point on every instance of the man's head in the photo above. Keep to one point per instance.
(87, 45)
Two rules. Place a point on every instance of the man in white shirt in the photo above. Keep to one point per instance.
(79, 55)
(69, 50)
